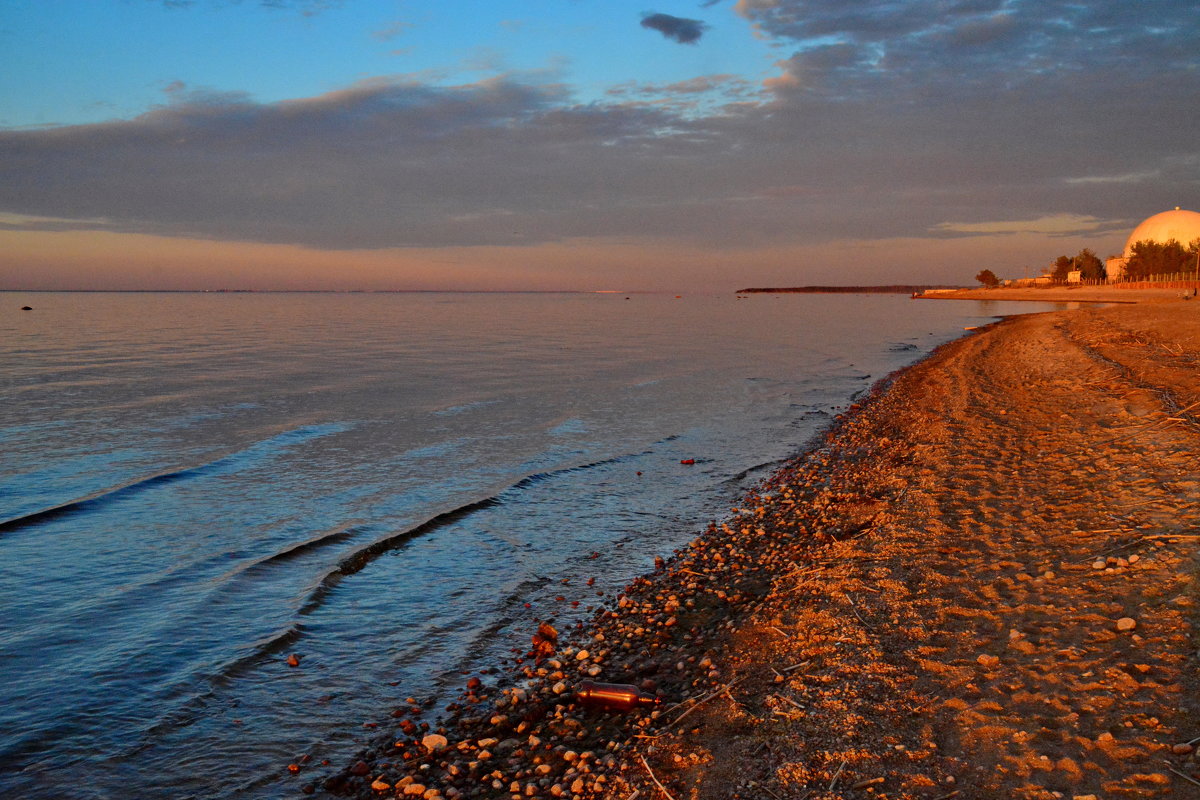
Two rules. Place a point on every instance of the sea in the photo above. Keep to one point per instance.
(392, 487)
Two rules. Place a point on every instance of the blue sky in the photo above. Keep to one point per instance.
(583, 144)
(81, 61)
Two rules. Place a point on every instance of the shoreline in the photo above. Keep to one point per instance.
(907, 607)
(1115, 293)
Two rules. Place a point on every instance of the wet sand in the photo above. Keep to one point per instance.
(982, 584)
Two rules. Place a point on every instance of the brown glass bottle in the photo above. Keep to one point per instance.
(613, 696)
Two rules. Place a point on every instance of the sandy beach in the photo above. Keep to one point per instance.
(981, 584)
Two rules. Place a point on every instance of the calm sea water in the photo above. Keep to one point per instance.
(392, 486)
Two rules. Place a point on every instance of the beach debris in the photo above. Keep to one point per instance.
(293, 660)
(613, 696)
(687, 461)
(867, 782)
(27, 308)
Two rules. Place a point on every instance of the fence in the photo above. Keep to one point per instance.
(1176, 280)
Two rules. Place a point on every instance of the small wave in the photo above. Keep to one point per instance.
(364, 556)
(568, 427)
(233, 462)
(304, 548)
(736, 480)
(359, 559)
(453, 410)
(100, 500)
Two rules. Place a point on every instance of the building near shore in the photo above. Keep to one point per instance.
(1179, 224)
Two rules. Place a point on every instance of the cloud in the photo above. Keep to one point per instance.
(1128, 177)
(308, 8)
(885, 122)
(1054, 225)
(390, 31)
(680, 29)
(924, 48)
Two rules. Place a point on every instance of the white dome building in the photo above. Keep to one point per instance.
(1181, 225)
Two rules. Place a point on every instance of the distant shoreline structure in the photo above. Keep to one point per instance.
(889, 289)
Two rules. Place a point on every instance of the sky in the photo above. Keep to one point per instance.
(665, 145)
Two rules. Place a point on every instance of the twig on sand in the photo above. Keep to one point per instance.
(1125, 546)
(654, 778)
(948, 796)
(703, 700)
(867, 782)
(836, 775)
(854, 608)
(791, 701)
(1148, 428)
(1185, 776)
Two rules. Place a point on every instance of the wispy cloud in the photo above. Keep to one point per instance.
(1128, 177)
(307, 7)
(390, 31)
(1054, 224)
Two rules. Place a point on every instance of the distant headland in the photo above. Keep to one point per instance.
(890, 289)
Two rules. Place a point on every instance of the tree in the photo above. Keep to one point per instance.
(1090, 267)
(988, 279)
(1062, 265)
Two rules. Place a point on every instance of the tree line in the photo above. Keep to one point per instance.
(1146, 258)
(1152, 258)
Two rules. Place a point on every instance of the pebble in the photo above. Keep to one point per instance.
(1182, 749)
(988, 661)
(380, 785)
(1126, 624)
(435, 742)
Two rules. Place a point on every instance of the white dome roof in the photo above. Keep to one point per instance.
(1182, 226)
